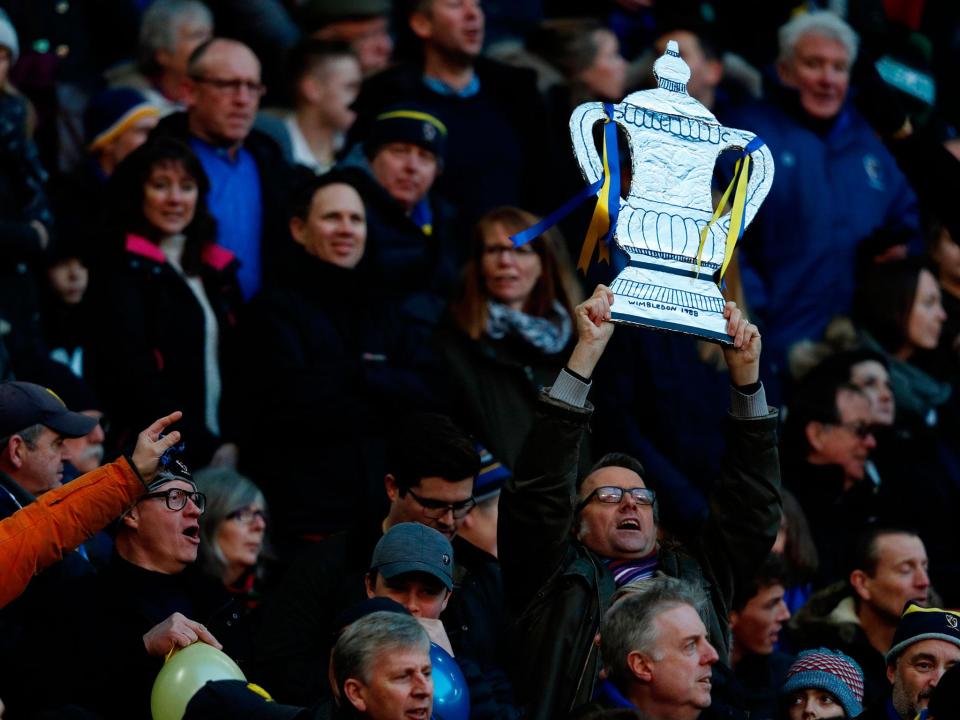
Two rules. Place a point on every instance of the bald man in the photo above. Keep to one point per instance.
(248, 176)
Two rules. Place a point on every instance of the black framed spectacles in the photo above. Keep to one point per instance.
(436, 509)
(614, 495)
(246, 515)
(176, 498)
(861, 429)
(232, 86)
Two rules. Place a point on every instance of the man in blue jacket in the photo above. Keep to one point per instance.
(836, 188)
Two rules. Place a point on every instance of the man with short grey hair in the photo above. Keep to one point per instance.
(658, 658)
(381, 664)
(169, 32)
(33, 425)
(820, 24)
(838, 194)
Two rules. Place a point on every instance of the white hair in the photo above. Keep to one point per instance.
(821, 23)
(160, 24)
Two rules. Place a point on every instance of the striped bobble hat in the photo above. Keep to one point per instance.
(828, 670)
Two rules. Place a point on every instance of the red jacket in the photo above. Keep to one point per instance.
(38, 535)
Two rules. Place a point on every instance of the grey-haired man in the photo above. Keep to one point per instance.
(33, 425)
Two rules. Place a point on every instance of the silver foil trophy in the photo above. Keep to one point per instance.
(674, 145)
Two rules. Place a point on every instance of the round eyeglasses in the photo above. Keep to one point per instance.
(176, 498)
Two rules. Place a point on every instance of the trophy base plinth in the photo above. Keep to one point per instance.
(670, 300)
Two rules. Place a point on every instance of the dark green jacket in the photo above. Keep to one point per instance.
(559, 589)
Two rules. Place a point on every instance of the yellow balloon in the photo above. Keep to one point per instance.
(185, 672)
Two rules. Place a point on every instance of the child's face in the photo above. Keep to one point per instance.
(68, 278)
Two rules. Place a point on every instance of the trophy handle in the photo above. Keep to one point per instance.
(761, 174)
(582, 120)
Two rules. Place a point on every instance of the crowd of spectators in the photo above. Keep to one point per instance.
(392, 442)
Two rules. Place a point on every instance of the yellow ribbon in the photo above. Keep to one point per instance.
(738, 185)
(600, 222)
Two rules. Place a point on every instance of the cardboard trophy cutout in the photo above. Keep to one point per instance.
(674, 144)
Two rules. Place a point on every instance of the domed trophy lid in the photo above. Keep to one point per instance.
(671, 71)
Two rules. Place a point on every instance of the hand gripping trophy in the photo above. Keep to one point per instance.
(678, 246)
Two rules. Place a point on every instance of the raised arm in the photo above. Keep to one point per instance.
(38, 535)
(536, 505)
(745, 504)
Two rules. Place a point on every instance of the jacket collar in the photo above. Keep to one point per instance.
(141, 247)
(214, 256)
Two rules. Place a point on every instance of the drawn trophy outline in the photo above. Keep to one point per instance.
(674, 145)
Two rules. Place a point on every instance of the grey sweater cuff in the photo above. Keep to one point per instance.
(570, 390)
(748, 406)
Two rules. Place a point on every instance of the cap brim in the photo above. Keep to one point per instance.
(392, 570)
(232, 699)
(71, 424)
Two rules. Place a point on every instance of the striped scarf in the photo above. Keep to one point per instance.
(628, 571)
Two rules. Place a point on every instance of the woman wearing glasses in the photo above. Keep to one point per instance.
(509, 332)
(233, 532)
(164, 298)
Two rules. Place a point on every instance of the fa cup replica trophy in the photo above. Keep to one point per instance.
(678, 247)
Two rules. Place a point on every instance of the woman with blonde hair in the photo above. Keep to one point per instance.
(509, 331)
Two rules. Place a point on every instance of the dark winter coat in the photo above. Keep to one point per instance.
(404, 259)
(560, 589)
(498, 144)
(328, 366)
(836, 516)
(100, 633)
(148, 356)
(493, 385)
(23, 200)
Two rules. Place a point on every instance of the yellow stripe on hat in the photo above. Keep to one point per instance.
(916, 608)
(129, 118)
(254, 688)
(414, 115)
(56, 396)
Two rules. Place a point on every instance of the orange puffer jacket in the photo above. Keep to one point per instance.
(58, 521)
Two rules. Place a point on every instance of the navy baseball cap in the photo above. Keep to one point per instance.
(24, 404)
(223, 699)
(412, 547)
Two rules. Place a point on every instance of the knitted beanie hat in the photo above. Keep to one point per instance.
(407, 124)
(920, 623)
(8, 37)
(828, 670)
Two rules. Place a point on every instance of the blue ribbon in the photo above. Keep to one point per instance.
(613, 160)
(610, 128)
(535, 231)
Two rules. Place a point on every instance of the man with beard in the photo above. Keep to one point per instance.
(860, 617)
(925, 646)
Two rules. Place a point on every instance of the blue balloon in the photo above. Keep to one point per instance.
(451, 699)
